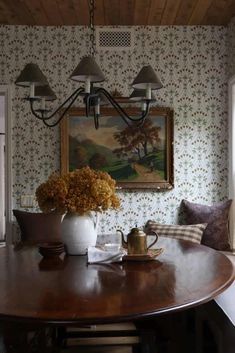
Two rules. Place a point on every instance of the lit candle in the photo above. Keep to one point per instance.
(97, 109)
(88, 85)
(143, 106)
(31, 90)
(43, 103)
(148, 91)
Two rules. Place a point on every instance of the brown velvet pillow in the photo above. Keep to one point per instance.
(216, 233)
(38, 227)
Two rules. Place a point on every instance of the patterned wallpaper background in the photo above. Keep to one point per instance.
(192, 65)
(231, 47)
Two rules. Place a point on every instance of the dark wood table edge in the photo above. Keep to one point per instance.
(133, 317)
(40, 321)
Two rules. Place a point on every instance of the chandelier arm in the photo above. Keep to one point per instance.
(121, 111)
(95, 115)
(75, 94)
(116, 107)
(64, 111)
(88, 102)
(138, 121)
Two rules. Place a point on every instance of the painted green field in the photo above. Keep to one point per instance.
(102, 158)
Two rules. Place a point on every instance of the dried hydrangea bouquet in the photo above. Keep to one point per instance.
(80, 195)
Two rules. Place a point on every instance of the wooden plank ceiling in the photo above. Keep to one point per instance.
(117, 12)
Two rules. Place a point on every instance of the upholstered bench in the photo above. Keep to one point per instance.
(226, 300)
(217, 316)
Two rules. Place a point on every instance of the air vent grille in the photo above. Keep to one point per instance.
(114, 39)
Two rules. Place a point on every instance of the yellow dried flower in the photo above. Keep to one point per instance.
(80, 191)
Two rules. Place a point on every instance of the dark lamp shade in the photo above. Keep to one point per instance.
(31, 74)
(138, 95)
(87, 68)
(147, 78)
(45, 92)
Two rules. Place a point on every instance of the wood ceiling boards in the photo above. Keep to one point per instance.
(117, 12)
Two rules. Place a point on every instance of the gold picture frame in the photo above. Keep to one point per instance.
(136, 159)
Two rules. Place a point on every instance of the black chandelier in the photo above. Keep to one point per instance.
(89, 72)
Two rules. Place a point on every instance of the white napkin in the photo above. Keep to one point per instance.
(101, 255)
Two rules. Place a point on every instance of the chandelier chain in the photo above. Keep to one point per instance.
(89, 72)
(92, 27)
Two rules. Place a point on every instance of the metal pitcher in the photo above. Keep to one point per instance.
(136, 242)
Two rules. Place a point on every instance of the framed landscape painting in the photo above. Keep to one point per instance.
(136, 157)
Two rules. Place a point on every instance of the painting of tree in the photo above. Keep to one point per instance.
(136, 156)
(138, 141)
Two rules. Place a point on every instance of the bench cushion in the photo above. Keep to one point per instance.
(226, 300)
(184, 232)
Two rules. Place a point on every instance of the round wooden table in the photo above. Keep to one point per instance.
(68, 290)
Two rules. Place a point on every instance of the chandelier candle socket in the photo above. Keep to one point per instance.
(89, 72)
(139, 95)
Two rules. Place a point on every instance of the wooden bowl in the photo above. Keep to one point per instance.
(51, 249)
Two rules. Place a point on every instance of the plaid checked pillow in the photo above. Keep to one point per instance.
(191, 232)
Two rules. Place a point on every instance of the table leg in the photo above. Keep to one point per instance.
(148, 341)
(167, 333)
(20, 338)
(14, 338)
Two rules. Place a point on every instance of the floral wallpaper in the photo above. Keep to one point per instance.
(231, 48)
(192, 65)
(231, 73)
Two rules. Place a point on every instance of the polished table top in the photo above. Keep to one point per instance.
(68, 290)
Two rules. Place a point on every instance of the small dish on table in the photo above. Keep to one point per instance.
(51, 249)
(150, 256)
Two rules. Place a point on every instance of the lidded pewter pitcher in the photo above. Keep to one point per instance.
(136, 242)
